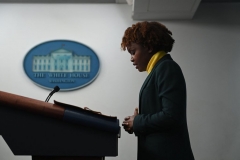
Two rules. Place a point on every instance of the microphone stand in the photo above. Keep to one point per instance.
(56, 89)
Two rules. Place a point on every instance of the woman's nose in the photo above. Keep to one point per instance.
(131, 59)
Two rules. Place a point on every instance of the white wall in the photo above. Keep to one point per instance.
(207, 48)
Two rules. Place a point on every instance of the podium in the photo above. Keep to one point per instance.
(56, 131)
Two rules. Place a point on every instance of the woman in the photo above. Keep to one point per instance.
(160, 125)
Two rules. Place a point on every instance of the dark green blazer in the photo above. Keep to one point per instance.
(161, 126)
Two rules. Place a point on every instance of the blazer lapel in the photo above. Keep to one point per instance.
(167, 56)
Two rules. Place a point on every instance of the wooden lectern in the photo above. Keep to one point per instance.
(56, 131)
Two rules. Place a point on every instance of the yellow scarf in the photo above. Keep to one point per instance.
(155, 58)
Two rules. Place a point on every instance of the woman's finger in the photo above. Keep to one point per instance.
(127, 118)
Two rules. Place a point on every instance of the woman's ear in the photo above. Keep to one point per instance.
(150, 50)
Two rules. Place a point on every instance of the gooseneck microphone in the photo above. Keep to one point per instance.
(56, 89)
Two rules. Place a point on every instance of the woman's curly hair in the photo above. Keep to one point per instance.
(148, 34)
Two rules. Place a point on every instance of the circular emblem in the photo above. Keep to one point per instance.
(68, 64)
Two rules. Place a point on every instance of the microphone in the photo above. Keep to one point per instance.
(56, 89)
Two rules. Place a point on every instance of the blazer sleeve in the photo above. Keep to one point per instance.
(171, 93)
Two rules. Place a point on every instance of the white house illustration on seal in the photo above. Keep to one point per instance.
(61, 60)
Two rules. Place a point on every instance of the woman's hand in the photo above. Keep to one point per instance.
(128, 122)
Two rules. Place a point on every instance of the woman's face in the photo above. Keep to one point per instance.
(140, 56)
